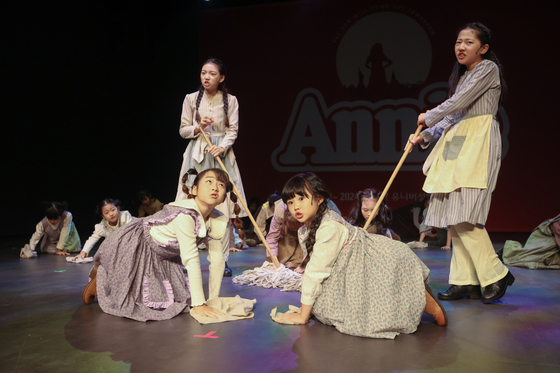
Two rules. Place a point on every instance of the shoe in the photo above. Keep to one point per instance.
(227, 271)
(434, 308)
(90, 291)
(497, 290)
(460, 291)
(88, 296)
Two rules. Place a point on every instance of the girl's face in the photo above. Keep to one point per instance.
(209, 191)
(111, 213)
(210, 77)
(303, 208)
(468, 48)
(367, 207)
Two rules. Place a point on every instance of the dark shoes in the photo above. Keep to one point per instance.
(227, 271)
(497, 290)
(460, 291)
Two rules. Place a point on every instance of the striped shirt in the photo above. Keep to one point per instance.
(478, 92)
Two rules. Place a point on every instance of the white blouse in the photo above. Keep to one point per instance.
(104, 229)
(329, 239)
(182, 229)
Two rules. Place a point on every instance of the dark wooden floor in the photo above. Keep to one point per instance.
(44, 327)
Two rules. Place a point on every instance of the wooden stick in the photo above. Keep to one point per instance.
(407, 149)
(272, 256)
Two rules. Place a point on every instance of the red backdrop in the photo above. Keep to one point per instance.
(335, 87)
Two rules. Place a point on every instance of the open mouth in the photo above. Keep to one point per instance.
(299, 215)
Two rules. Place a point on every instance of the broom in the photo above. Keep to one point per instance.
(269, 275)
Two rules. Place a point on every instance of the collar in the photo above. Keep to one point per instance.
(215, 226)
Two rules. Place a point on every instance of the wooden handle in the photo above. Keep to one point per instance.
(407, 149)
(240, 199)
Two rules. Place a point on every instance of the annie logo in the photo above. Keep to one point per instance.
(373, 63)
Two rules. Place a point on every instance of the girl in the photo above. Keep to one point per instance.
(366, 200)
(214, 110)
(60, 234)
(139, 273)
(112, 219)
(364, 284)
(463, 167)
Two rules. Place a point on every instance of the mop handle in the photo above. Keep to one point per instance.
(407, 149)
(236, 191)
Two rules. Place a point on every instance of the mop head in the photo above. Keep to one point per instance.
(268, 276)
(417, 245)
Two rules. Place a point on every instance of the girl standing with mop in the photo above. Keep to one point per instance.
(213, 110)
(462, 169)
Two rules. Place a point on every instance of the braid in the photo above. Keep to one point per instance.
(225, 95)
(237, 223)
(198, 99)
(313, 227)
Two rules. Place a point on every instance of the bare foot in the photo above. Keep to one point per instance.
(234, 250)
(445, 248)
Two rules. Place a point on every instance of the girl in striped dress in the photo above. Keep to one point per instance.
(462, 169)
(213, 110)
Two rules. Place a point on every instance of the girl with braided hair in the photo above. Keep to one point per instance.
(138, 269)
(213, 110)
(462, 169)
(364, 284)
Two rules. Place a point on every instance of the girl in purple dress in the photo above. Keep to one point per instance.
(139, 271)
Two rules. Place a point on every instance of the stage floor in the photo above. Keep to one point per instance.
(45, 327)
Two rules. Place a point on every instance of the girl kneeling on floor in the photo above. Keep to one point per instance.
(139, 273)
(363, 284)
(58, 231)
(112, 219)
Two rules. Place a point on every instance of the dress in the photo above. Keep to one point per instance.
(63, 236)
(140, 274)
(104, 229)
(195, 155)
(541, 251)
(462, 123)
(364, 284)
(478, 93)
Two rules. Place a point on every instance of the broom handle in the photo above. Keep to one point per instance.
(272, 256)
(407, 149)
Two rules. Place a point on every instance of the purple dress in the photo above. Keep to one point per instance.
(140, 278)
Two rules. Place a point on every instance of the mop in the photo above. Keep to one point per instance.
(269, 275)
(407, 150)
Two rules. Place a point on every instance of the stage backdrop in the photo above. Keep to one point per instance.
(336, 87)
